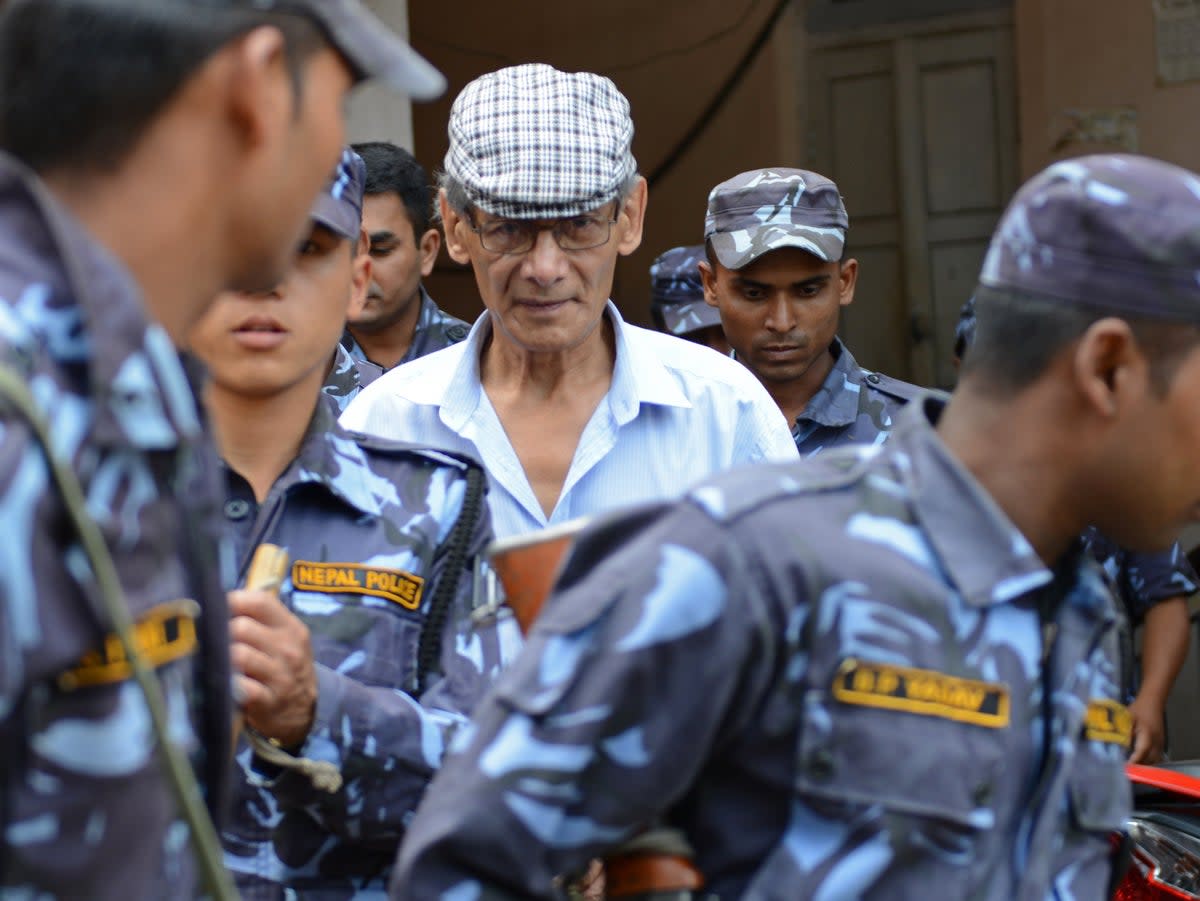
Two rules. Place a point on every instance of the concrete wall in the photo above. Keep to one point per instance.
(1098, 56)
(669, 58)
(377, 113)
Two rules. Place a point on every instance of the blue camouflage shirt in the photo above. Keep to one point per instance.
(347, 377)
(435, 330)
(836, 684)
(86, 807)
(365, 522)
(853, 406)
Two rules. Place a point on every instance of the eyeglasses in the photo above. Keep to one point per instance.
(512, 236)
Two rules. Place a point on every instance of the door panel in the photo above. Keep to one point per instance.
(919, 132)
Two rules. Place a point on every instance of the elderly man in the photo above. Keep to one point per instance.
(127, 201)
(571, 410)
(677, 299)
(885, 673)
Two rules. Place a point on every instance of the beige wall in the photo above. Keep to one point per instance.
(649, 51)
(1098, 54)
(376, 112)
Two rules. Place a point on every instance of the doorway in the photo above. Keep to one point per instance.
(916, 122)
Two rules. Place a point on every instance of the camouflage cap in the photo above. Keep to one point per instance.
(1114, 231)
(339, 206)
(678, 293)
(371, 48)
(766, 209)
(531, 142)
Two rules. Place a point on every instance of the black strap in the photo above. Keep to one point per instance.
(429, 648)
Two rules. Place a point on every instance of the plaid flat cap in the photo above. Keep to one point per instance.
(370, 47)
(1114, 231)
(339, 206)
(765, 209)
(678, 293)
(531, 142)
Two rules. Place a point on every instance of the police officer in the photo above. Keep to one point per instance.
(381, 536)
(883, 673)
(126, 203)
(399, 321)
(677, 299)
(1153, 589)
(777, 272)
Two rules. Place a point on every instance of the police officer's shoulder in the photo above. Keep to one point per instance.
(379, 447)
(893, 388)
(732, 495)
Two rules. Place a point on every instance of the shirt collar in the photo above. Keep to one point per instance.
(959, 516)
(836, 402)
(141, 394)
(330, 457)
(426, 318)
(639, 376)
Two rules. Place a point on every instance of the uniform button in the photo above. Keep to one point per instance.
(820, 765)
(982, 794)
(237, 509)
(873, 379)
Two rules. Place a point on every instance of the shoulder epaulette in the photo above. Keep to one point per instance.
(901, 391)
(390, 447)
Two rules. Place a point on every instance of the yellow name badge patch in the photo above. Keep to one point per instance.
(923, 692)
(165, 634)
(1108, 721)
(393, 585)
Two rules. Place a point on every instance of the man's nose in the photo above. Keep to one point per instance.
(780, 315)
(545, 262)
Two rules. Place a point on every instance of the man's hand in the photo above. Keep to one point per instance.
(1149, 732)
(273, 653)
(1165, 636)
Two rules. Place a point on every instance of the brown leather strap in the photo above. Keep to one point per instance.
(636, 874)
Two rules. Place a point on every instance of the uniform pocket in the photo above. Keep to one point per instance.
(370, 639)
(918, 743)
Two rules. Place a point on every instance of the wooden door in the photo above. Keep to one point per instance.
(918, 127)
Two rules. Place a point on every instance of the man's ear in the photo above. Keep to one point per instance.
(431, 243)
(1109, 368)
(847, 280)
(708, 278)
(631, 217)
(454, 225)
(360, 276)
(259, 92)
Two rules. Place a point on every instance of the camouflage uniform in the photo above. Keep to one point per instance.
(348, 376)
(1143, 580)
(87, 809)
(435, 330)
(830, 680)
(853, 406)
(677, 293)
(764, 210)
(365, 521)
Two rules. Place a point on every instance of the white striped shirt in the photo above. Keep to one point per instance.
(674, 413)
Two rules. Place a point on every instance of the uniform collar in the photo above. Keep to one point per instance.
(836, 402)
(959, 516)
(84, 307)
(639, 376)
(330, 457)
